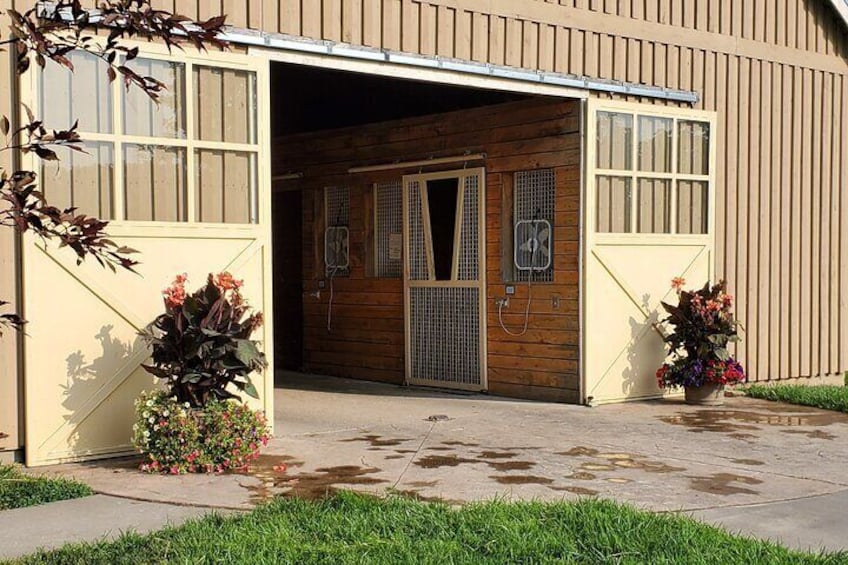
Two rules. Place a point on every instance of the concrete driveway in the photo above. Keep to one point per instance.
(769, 469)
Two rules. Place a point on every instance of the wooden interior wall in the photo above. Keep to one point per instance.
(367, 337)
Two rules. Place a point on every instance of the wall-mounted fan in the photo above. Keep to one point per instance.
(532, 245)
(336, 248)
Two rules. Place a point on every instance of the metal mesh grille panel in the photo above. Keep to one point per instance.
(389, 227)
(469, 250)
(417, 251)
(445, 335)
(337, 214)
(535, 193)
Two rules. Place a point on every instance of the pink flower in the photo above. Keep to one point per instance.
(225, 281)
(175, 294)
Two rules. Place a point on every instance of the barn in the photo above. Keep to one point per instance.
(483, 196)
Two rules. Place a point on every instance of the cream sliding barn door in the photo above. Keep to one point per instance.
(444, 272)
(650, 206)
(185, 184)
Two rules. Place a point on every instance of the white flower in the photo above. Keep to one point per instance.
(135, 427)
(145, 414)
(146, 433)
(151, 419)
(156, 427)
(186, 404)
(149, 403)
(166, 413)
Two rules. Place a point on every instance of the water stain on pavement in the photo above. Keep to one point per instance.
(753, 462)
(271, 470)
(437, 461)
(521, 480)
(504, 466)
(812, 434)
(610, 461)
(462, 443)
(575, 490)
(744, 421)
(497, 455)
(377, 441)
(724, 484)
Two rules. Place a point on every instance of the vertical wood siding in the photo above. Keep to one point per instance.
(776, 71)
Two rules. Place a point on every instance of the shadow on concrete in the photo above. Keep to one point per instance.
(322, 383)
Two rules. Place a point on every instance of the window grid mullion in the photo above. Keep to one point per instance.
(634, 134)
(674, 171)
(191, 159)
(118, 189)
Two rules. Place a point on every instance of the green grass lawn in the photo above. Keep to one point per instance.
(350, 528)
(828, 397)
(18, 490)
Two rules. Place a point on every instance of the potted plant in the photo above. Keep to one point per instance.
(203, 352)
(702, 325)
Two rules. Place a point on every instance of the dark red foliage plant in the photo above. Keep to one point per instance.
(201, 345)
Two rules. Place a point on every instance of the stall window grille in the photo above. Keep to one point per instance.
(533, 219)
(651, 174)
(337, 231)
(388, 236)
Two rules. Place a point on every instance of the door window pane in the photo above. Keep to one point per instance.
(225, 106)
(143, 116)
(614, 204)
(655, 144)
(154, 183)
(442, 202)
(693, 153)
(81, 180)
(614, 141)
(653, 206)
(225, 185)
(692, 206)
(84, 95)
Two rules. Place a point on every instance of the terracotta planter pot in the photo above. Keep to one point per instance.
(706, 395)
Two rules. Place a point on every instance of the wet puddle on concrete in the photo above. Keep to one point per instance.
(575, 490)
(521, 480)
(739, 423)
(724, 484)
(377, 441)
(497, 455)
(275, 479)
(611, 461)
(438, 461)
(460, 443)
(812, 434)
(750, 462)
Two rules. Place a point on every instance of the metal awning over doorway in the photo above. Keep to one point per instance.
(341, 56)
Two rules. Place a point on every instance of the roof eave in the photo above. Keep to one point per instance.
(841, 7)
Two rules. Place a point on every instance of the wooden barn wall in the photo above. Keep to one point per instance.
(774, 70)
(367, 340)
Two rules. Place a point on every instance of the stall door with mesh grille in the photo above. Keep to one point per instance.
(444, 270)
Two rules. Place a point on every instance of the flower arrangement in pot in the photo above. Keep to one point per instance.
(702, 326)
(203, 352)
